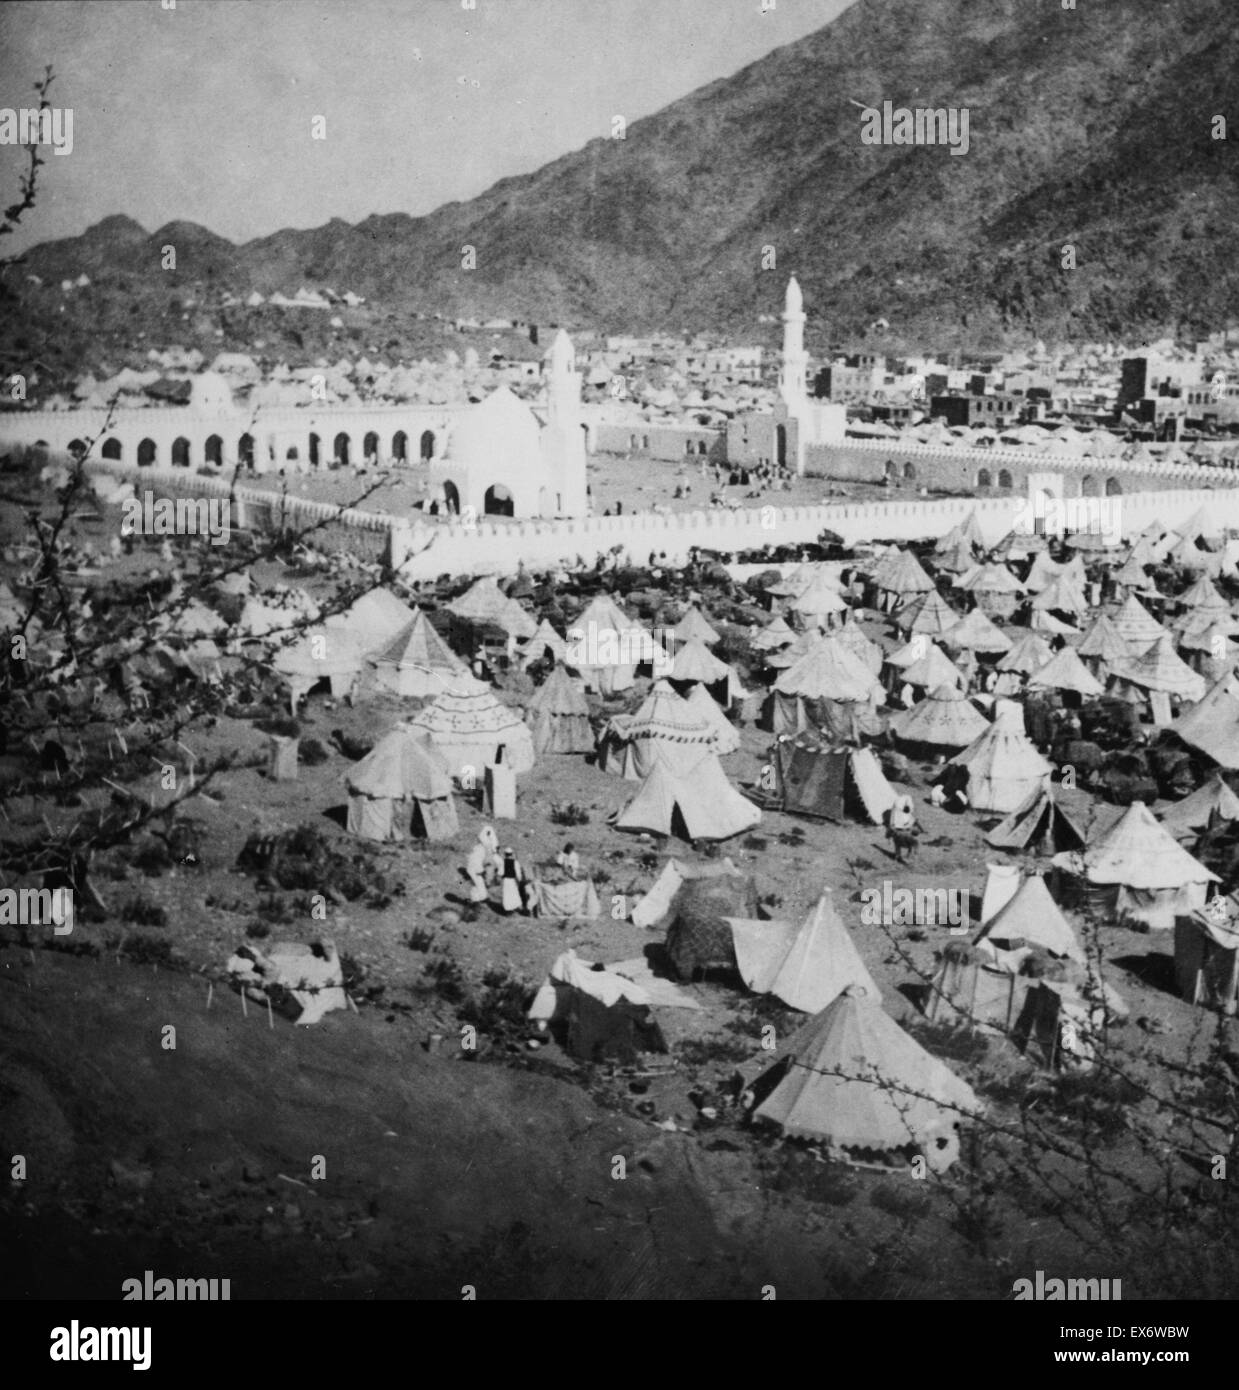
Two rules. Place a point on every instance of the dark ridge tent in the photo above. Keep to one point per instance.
(700, 937)
(599, 1032)
(1042, 825)
(813, 778)
(558, 715)
(1206, 959)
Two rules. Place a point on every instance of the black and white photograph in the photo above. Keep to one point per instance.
(619, 662)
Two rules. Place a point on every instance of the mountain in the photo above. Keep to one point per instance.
(1090, 127)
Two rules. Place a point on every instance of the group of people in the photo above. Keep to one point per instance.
(488, 864)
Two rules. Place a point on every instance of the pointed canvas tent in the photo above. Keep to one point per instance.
(545, 641)
(818, 603)
(558, 715)
(946, 718)
(401, 784)
(469, 726)
(1102, 646)
(1153, 876)
(417, 662)
(1136, 625)
(726, 735)
(851, 1077)
(933, 669)
(700, 805)
(1042, 824)
(774, 636)
(811, 778)
(905, 575)
(806, 965)
(1031, 918)
(1160, 668)
(976, 632)
(994, 589)
(852, 636)
(693, 627)
(666, 731)
(374, 619)
(485, 602)
(694, 662)
(1065, 671)
(606, 646)
(932, 615)
(968, 531)
(1212, 725)
(1194, 812)
(1004, 768)
(1030, 653)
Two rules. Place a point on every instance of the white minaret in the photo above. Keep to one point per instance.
(795, 358)
(564, 435)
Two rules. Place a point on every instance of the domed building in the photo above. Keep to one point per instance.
(503, 458)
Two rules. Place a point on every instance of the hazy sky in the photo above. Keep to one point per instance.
(204, 112)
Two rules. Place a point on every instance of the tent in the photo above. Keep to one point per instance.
(417, 662)
(1152, 876)
(558, 715)
(932, 670)
(1136, 625)
(1029, 654)
(817, 604)
(903, 576)
(1212, 725)
(700, 804)
(694, 662)
(485, 602)
(944, 719)
(976, 632)
(693, 627)
(806, 966)
(545, 641)
(726, 735)
(1194, 812)
(1065, 671)
(1102, 646)
(968, 531)
(666, 731)
(1041, 824)
(994, 589)
(374, 619)
(1206, 959)
(656, 908)
(606, 647)
(1160, 668)
(813, 779)
(332, 654)
(828, 672)
(401, 774)
(932, 615)
(854, 1079)
(469, 726)
(1004, 768)
(852, 636)
(699, 937)
(774, 636)
(1031, 918)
